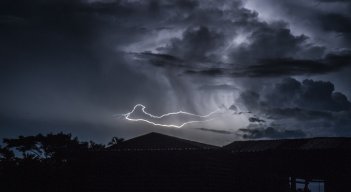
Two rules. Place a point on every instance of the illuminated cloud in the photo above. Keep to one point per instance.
(72, 64)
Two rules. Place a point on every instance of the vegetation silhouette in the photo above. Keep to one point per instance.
(45, 162)
(115, 141)
(157, 162)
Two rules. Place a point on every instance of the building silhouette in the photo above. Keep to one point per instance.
(157, 162)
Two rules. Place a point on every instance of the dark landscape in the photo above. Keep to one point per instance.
(175, 95)
(157, 162)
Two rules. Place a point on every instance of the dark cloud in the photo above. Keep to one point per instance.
(309, 94)
(298, 114)
(288, 66)
(254, 60)
(160, 60)
(215, 131)
(271, 133)
(282, 67)
(295, 96)
(251, 100)
(308, 104)
(336, 23)
(332, 1)
(256, 120)
(252, 49)
(269, 41)
(326, 21)
(245, 47)
(223, 87)
(197, 44)
(233, 108)
(86, 60)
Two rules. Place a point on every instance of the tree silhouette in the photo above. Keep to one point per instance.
(52, 146)
(6, 154)
(28, 146)
(95, 146)
(60, 146)
(115, 141)
(57, 147)
(41, 162)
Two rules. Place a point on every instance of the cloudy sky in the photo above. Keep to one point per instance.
(249, 69)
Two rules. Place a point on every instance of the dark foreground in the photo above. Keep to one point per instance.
(156, 162)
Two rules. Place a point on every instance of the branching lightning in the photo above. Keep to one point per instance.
(127, 117)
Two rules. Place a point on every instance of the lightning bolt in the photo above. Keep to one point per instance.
(127, 117)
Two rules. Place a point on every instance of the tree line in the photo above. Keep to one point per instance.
(57, 147)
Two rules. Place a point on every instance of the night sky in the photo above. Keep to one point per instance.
(267, 69)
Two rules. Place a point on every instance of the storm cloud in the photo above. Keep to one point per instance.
(307, 105)
(78, 63)
(270, 133)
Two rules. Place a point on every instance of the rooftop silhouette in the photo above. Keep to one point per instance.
(308, 144)
(158, 162)
(158, 141)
